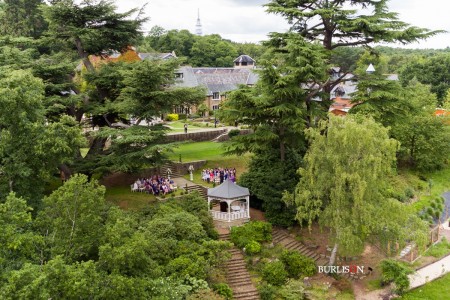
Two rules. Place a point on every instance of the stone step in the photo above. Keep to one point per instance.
(239, 282)
(247, 295)
(234, 265)
(291, 244)
(238, 276)
(236, 272)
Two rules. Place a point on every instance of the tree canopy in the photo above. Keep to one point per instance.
(344, 182)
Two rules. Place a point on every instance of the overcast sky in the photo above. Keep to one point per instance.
(246, 20)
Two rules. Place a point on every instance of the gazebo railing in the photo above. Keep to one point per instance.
(224, 216)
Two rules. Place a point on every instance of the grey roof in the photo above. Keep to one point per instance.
(143, 56)
(347, 88)
(392, 77)
(244, 58)
(216, 79)
(228, 190)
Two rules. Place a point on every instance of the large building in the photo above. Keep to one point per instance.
(217, 81)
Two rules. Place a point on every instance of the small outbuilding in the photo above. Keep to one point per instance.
(233, 202)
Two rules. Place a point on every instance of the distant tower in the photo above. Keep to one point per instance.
(198, 26)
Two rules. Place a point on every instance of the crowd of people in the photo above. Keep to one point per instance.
(156, 185)
(219, 175)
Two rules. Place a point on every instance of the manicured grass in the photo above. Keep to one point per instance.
(125, 199)
(238, 162)
(178, 126)
(198, 151)
(439, 250)
(440, 184)
(438, 289)
(213, 153)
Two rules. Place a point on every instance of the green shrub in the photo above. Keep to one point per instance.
(409, 192)
(274, 273)
(440, 249)
(223, 290)
(253, 231)
(234, 132)
(298, 265)
(396, 272)
(253, 247)
(172, 117)
(194, 116)
(293, 290)
(267, 291)
(182, 117)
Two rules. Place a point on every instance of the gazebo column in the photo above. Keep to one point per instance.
(229, 211)
(247, 199)
(209, 205)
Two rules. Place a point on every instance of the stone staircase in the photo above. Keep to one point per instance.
(200, 189)
(172, 166)
(282, 237)
(238, 277)
(222, 137)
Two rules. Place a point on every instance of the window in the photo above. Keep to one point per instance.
(216, 96)
(179, 75)
(215, 107)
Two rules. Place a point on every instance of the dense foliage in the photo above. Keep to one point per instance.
(396, 272)
(344, 182)
(199, 51)
(78, 246)
(255, 231)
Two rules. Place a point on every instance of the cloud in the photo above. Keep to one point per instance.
(247, 19)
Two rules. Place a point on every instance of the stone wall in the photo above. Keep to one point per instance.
(195, 136)
(183, 167)
(226, 137)
(124, 179)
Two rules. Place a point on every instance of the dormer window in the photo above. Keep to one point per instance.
(216, 96)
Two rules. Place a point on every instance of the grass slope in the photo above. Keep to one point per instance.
(125, 199)
(438, 289)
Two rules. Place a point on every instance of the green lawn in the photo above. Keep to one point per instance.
(438, 289)
(198, 151)
(124, 198)
(178, 126)
(213, 153)
(238, 162)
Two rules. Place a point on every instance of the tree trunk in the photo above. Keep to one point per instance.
(65, 171)
(333, 255)
(11, 184)
(96, 146)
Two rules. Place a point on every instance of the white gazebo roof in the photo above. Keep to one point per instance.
(228, 190)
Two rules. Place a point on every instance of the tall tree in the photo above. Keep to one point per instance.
(93, 27)
(344, 23)
(433, 71)
(71, 219)
(276, 106)
(22, 18)
(212, 51)
(31, 149)
(343, 185)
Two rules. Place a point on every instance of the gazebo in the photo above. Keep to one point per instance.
(234, 202)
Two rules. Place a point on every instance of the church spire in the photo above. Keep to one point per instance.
(198, 26)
